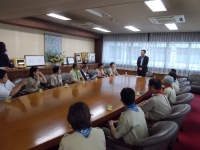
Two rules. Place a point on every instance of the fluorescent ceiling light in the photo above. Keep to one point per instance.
(58, 16)
(97, 12)
(172, 26)
(132, 28)
(101, 29)
(155, 5)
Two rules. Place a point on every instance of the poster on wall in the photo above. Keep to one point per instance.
(53, 43)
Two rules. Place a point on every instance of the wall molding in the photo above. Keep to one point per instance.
(40, 24)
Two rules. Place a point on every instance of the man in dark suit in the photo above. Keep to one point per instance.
(142, 63)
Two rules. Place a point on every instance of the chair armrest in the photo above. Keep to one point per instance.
(151, 122)
(123, 144)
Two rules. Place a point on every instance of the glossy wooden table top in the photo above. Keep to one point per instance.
(39, 120)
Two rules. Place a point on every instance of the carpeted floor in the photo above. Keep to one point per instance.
(189, 139)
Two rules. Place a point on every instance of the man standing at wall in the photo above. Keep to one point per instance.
(142, 63)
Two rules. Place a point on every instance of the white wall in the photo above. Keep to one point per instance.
(22, 41)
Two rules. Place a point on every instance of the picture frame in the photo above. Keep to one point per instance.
(19, 63)
(65, 61)
(70, 60)
(78, 58)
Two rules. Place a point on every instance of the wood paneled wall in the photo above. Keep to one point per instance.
(98, 50)
(40, 24)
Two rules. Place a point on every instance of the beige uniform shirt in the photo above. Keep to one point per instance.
(112, 72)
(73, 76)
(170, 94)
(29, 86)
(175, 87)
(132, 126)
(156, 107)
(56, 80)
(76, 141)
(102, 73)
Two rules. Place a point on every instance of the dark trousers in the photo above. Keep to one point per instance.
(141, 73)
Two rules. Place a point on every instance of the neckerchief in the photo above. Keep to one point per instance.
(132, 107)
(159, 92)
(85, 132)
(168, 87)
(77, 75)
(100, 71)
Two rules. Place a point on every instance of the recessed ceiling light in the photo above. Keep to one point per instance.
(58, 16)
(171, 26)
(155, 5)
(132, 28)
(97, 12)
(101, 29)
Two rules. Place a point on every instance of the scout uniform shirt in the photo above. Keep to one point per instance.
(170, 94)
(30, 82)
(132, 126)
(100, 72)
(56, 80)
(73, 76)
(112, 72)
(175, 87)
(76, 141)
(156, 107)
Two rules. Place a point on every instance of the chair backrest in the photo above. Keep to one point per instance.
(48, 78)
(185, 83)
(106, 71)
(182, 80)
(65, 77)
(194, 77)
(17, 81)
(149, 74)
(92, 71)
(185, 89)
(160, 136)
(184, 98)
(178, 114)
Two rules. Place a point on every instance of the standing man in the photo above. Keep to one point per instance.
(142, 63)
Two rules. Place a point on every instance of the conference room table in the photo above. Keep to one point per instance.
(38, 120)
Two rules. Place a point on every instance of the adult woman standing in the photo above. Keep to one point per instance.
(4, 60)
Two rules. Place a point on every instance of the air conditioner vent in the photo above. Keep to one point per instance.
(85, 24)
(168, 19)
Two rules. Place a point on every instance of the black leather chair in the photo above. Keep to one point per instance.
(185, 83)
(160, 137)
(185, 89)
(185, 98)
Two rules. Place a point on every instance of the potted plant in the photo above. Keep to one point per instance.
(56, 58)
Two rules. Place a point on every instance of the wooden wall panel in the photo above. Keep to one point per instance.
(40, 24)
(98, 50)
